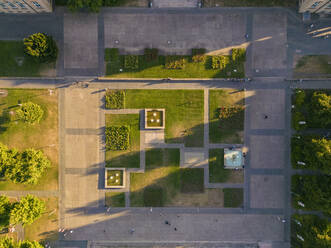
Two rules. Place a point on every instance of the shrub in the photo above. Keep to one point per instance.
(299, 99)
(238, 55)
(28, 168)
(27, 210)
(117, 138)
(198, 55)
(111, 54)
(131, 62)
(153, 196)
(115, 99)
(220, 62)
(41, 46)
(30, 112)
(175, 62)
(150, 54)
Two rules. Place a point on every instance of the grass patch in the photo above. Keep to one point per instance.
(191, 180)
(173, 66)
(233, 198)
(115, 199)
(217, 172)
(183, 110)
(41, 136)
(114, 177)
(249, 3)
(313, 65)
(161, 175)
(46, 227)
(10, 51)
(126, 158)
(229, 129)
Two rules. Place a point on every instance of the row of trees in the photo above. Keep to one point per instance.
(25, 167)
(312, 192)
(24, 212)
(310, 231)
(314, 152)
(11, 243)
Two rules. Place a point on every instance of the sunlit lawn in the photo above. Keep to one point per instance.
(43, 136)
(127, 158)
(227, 130)
(183, 112)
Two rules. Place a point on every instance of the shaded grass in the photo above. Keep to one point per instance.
(217, 172)
(183, 111)
(129, 158)
(313, 64)
(115, 199)
(233, 198)
(42, 136)
(191, 180)
(227, 130)
(9, 50)
(45, 228)
(156, 69)
(162, 174)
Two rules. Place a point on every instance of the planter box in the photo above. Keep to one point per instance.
(114, 178)
(154, 118)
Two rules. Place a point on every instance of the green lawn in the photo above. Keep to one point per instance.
(129, 158)
(183, 112)
(10, 51)
(42, 136)
(217, 172)
(161, 177)
(115, 199)
(231, 129)
(191, 180)
(156, 69)
(313, 65)
(233, 198)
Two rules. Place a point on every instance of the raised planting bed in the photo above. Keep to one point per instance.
(154, 118)
(114, 178)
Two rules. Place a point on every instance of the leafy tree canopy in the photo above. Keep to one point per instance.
(30, 112)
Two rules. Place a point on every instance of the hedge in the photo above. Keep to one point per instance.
(175, 62)
(198, 55)
(115, 99)
(220, 62)
(238, 55)
(131, 62)
(150, 54)
(117, 138)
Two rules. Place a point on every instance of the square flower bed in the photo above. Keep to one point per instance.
(154, 118)
(114, 178)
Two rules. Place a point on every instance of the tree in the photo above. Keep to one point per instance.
(40, 46)
(29, 244)
(321, 109)
(92, 5)
(30, 112)
(29, 167)
(5, 208)
(7, 158)
(27, 210)
(7, 243)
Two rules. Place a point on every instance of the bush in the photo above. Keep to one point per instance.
(131, 62)
(111, 54)
(150, 54)
(29, 167)
(175, 62)
(299, 100)
(220, 62)
(30, 112)
(41, 46)
(117, 138)
(115, 99)
(238, 55)
(27, 210)
(198, 55)
(92, 5)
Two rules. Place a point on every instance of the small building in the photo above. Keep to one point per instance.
(315, 6)
(233, 158)
(26, 6)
